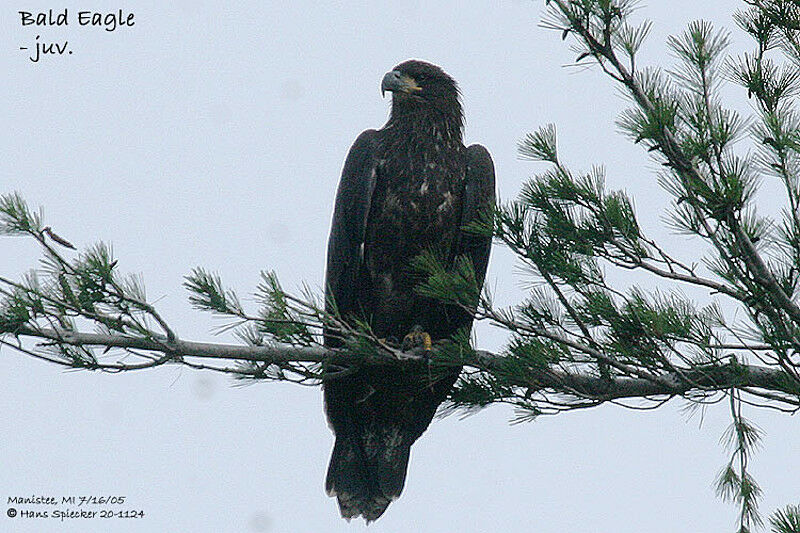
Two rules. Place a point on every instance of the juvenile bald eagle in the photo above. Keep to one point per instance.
(406, 188)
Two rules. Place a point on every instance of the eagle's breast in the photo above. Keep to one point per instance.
(416, 207)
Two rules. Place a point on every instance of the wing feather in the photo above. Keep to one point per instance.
(345, 245)
(479, 198)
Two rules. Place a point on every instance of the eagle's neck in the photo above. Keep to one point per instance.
(422, 124)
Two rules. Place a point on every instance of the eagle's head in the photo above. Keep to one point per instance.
(421, 85)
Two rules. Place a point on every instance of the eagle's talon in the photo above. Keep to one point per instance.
(417, 339)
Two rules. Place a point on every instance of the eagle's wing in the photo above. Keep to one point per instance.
(345, 246)
(478, 200)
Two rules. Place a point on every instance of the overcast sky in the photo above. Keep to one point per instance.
(214, 136)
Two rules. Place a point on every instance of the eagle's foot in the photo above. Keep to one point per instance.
(417, 339)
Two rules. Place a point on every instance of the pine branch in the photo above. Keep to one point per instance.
(671, 149)
(739, 253)
(585, 385)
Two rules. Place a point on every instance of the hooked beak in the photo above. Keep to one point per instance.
(394, 81)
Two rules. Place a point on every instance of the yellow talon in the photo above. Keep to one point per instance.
(426, 341)
(417, 338)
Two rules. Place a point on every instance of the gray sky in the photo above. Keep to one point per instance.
(214, 136)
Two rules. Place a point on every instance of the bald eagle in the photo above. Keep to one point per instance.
(407, 188)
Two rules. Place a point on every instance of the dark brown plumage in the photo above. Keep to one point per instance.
(405, 189)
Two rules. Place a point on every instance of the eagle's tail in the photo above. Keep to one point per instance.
(367, 472)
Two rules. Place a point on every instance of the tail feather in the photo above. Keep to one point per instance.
(386, 453)
(367, 474)
(376, 415)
